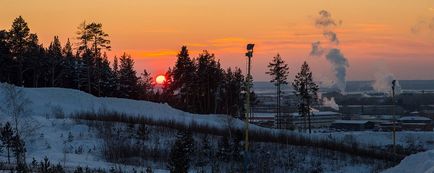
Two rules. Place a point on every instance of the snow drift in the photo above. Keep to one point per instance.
(417, 163)
(43, 100)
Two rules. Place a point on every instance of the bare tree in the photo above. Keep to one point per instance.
(16, 106)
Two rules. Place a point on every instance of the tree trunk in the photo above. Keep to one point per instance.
(308, 117)
(9, 156)
(88, 79)
(20, 74)
(279, 118)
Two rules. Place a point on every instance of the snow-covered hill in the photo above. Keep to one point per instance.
(71, 101)
(49, 136)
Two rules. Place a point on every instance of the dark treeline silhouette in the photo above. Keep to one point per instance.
(200, 85)
(197, 85)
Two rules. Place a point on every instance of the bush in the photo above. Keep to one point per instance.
(58, 113)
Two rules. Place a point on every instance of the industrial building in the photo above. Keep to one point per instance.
(317, 119)
(416, 123)
(352, 125)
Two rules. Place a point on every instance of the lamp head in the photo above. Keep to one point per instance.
(250, 46)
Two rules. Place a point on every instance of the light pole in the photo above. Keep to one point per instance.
(249, 55)
(393, 114)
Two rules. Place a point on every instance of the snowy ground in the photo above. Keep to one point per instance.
(50, 136)
(370, 138)
(52, 141)
(417, 163)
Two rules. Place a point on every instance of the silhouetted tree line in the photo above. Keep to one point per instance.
(200, 85)
(26, 62)
(196, 85)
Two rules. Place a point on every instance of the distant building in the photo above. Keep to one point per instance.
(381, 122)
(370, 109)
(263, 119)
(318, 119)
(387, 126)
(416, 123)
(352, 125)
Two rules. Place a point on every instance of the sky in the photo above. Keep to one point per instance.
(390, 36)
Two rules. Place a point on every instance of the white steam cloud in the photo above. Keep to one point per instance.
(423, 25)
(332, 53)
(340, 64)
(326, 102)
(383, 83)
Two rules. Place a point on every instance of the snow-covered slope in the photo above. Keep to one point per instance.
(43, 100)
(50, 136)
(417, 163)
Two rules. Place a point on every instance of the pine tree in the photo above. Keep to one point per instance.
(143, 132)
(224, 149)
(115, 69)
(181, 152)
(306, 90)
(6, 60)
(19, 150)
(86, 70)
(204, 153)
(69, 67)
(184, 79)
(146, 86)
(128, 78)
(6, 138)
(167, 93)
(209, 78)
(279, 71)
(149, 169)
(55, 59)
(92, 40)
(105, 79)
(237, 148)
(231, 93)
(18, 40)
(45, 165)
(37, 63)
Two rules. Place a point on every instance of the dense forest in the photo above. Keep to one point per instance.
(195, 84)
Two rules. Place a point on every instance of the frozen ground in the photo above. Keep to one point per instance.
(370, 138)
(417, 163)
(51, 133)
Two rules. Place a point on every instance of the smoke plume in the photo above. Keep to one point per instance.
(340, 64)
(383, 83)
(326, 102)
(333, 54)
(317, 50)
(332, 37)
(423, 25)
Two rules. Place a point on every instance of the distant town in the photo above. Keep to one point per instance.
(361, 108)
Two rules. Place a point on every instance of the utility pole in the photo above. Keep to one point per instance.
(249, 55)
(393, 114)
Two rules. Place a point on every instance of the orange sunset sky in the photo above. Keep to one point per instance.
(375, 35)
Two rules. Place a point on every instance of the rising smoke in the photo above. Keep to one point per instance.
(340, 64)
(423, 25)
(326, 102)
(383, 83)
(332, 53)
(317, 50)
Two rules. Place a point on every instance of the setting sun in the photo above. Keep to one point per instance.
(160, 79)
